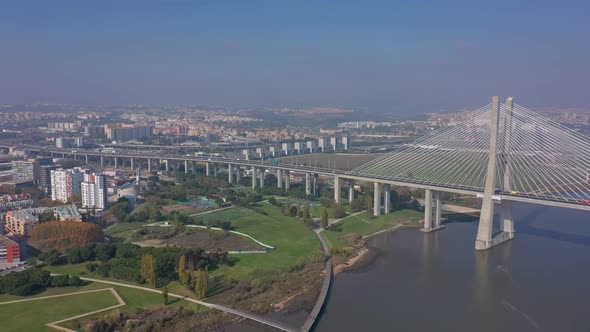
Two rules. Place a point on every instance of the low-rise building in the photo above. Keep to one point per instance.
(9, 252)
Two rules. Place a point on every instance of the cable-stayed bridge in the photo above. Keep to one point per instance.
(502, 153)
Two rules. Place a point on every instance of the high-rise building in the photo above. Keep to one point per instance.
(312, 146)
(26, 170)
(334, 143)
(61, 143)
(45, 178)
(345, 142)
(94, 191)
(122, 134)
(323, 144)
(79, 141)
(65, 183)
(287, 148)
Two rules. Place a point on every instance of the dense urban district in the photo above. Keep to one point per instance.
(106, 228)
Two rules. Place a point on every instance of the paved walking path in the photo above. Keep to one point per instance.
(257, 318)
(348, 216)
(317, 308)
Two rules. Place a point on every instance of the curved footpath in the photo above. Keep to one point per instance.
(317, 308)
(260, 319)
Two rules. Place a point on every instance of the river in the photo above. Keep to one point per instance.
(437, 282)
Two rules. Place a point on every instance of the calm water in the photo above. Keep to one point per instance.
(425, 282)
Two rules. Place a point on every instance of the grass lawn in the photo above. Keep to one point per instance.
(292, 239)
(363, 224)
(33, 315)
(316, 211)
(17, 316)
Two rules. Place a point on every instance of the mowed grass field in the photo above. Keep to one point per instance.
(33, 315)
(363, 224)
(293, 241)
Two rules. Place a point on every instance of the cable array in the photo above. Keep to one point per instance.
(536, 157)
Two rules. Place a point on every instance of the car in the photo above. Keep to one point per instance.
(587, 203)
(514, 192)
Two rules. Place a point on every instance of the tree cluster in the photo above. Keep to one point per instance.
(62, 235)
(34, 280)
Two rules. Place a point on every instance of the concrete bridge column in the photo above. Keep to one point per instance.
(307, 183)
(279, 179)
(377, 199)
(254, 180)
(215, 170)
(287, 180)
(230, 173)
(207, 169)
(116, 164)
(102, 161)
(386, 198)
(337, 189)
(427, 211)
(149, 165)
(131, 162)
(194, 167)
(437, 210)
(350, 191)
(87, 159)
(238, 171)
(186, 167)
(167, 164)
(262, 174)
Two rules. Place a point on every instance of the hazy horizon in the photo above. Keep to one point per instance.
(375, 56)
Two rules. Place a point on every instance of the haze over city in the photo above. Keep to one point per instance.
(381, 56)
(329, 166)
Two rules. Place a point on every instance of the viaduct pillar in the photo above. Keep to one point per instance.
(337, 189)
(186, 167)
(350, 191)
(149, 165)
(102, 161)
(86, 158)
(207, 169)
(279, 179)
(116, 164)
(386, 198)
(262, 174)
(377, 199)
(307, 183)
(230, 173)
(131, 162)
(254, 180)
(238, 171)
(215, 170)
(287, 180)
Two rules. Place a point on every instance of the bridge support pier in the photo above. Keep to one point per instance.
(386, 198)
(186, 167)
(215, 170)
(308, 184)
(167, 164)
(432, 212)
(377, 199)
(131, 162)
(350, 191)
(287, 180)
(86, 159)
(149, 166)
(254, 180)
(207, 169)
(101, 161)
(279, 179)
(337, 189)
(230, 173)
(116, 163)
(238, 171)
(262, 174)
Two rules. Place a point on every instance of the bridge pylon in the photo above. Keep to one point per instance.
(485, 239)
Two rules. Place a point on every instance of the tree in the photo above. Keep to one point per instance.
(148, 270)
(299, 211)
(202, 284)
(272, 200)
(306, 213)
(50, 257)
(62, 235)
(324, 218)
(165, 295)
(183, 273)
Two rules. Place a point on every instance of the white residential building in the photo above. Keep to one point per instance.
(94, 191)
(65, 183)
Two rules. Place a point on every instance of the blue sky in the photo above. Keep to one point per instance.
(385, 56)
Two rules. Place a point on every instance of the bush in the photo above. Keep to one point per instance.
(91, 267)
(50, 257)
(60, 281)
(74, 281)
(103, 269)
(25, 283)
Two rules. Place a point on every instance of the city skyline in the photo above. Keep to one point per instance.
(380, 57)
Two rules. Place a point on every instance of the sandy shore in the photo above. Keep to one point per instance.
(351, 261)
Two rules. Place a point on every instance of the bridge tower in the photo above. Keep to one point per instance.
(484, 238)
